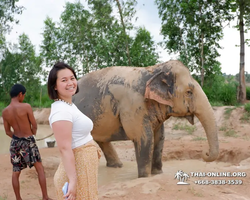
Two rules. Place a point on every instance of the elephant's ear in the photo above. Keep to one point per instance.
(160, 88)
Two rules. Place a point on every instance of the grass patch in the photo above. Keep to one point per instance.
(223, 128)
(199, 139)
(3, 197)
(247, 107)
(245, 117)
(195, 193)
(189, 129)
(230, 133)
(214, 103)
(247, 138)
(228, 112)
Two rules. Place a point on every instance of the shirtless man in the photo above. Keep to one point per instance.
(23, 149)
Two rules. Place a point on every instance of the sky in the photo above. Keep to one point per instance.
(31, 22)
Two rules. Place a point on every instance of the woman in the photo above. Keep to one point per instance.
(72, 130)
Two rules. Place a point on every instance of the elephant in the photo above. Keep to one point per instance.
(132, 103)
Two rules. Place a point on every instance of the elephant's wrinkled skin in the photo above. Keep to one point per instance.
(131, 103)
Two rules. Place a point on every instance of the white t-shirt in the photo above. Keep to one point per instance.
(82, 125)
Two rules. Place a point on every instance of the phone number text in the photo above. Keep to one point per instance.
(218, 182)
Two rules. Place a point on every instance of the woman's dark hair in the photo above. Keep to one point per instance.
(16, 89)
(51, 84)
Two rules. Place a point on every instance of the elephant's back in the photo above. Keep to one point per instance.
(111, 74)
(113, 81)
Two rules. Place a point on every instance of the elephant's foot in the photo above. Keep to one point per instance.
(156, 171)
(143, 175)
(110, 155)
(114, 165)
(144, 171)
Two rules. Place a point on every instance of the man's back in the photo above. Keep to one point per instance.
(20, 117)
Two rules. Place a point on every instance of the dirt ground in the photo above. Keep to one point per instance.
(182, 151)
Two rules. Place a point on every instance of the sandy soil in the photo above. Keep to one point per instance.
(182, 151)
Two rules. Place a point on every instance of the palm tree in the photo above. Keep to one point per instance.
(179, 175)
(185, 176)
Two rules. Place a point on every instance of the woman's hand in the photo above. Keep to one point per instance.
(71, 194)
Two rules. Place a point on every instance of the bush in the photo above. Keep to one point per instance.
(228, 94)
(220, 91)
(212, 88)
(248, 93)
(44, 102)
(2, 106)
(247, 107)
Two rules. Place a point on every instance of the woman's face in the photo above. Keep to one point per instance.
(66, 84)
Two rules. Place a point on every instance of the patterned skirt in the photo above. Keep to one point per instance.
(87, 161)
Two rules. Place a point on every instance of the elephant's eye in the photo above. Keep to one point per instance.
(189, 93)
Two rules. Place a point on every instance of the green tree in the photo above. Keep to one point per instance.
(76, 29)
(143, 49)
(113, 31)
(96, 37)
(8, 9)
(21, 65)
(193, 29)
(241, 12)
(50, 47)
(129, 11)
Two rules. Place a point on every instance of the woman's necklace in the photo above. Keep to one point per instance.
(64, 101)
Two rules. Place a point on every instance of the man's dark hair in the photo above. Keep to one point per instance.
(51, 84)
(16, 89)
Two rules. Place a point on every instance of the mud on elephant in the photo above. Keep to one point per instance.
(131, 103)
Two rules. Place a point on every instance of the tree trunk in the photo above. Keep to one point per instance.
(202, 60)
(202, 53)
(241, 96)
(124, 30)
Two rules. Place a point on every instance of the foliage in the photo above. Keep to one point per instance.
(50, 47)
(8, 9)
(223, 128)
(248, 93)
(189, 129)
(193, 29)
(246, 115)
(94, 37)
(3, 198)
(228, 93)
(230, 133)
(199, 139)
(2, 106)
(216, 103)
(20, 65)
(240, 10)
(87, 38)
(218, 89)
(228, 112)
(247, 107)
(143, 50)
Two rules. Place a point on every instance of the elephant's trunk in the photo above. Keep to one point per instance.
(204, 112)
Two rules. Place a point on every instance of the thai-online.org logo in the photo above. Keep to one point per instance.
(211, 178)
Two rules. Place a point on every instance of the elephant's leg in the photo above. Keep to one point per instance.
(157, 153)
(144, 152)
(110, 154)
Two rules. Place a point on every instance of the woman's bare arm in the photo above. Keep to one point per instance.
(63, 134)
